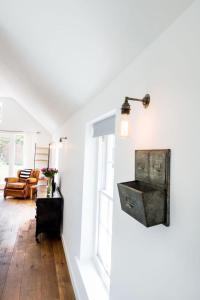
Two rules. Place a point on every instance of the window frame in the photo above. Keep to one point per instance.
(101, 173)
(12, 152)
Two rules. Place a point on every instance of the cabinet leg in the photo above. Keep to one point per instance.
(36, 237)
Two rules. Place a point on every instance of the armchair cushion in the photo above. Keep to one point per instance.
(32, 180)
(16, 185)
(11, 179)
(24, 174)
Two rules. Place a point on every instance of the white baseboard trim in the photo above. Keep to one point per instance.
(72, 276)
(92, 286)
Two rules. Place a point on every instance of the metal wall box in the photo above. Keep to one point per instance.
(147, 199)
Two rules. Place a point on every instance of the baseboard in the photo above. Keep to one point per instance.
(88, 274)
(72, 276)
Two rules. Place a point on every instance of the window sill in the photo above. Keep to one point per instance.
(92, 282)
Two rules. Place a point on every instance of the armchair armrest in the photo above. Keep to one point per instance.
(11, 179)
(31, 180)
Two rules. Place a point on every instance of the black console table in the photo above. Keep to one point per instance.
(49, 212)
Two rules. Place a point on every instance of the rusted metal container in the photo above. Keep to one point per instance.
(147, 199)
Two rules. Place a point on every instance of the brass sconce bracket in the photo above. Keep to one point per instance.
(62, 139)
(126, 106)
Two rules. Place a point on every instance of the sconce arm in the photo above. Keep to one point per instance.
(145, 101)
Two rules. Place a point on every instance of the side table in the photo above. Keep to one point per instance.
(33, 190)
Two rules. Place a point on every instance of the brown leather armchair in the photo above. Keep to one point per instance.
(18, 187)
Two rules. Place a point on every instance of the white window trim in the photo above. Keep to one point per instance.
(101, 180)
(88, 270)
(12, 152)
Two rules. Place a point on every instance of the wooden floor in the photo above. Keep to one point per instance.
(29, 271)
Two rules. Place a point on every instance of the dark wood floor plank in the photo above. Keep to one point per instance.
(32, 281)
(5, 258)
(50, 283)
(65, 287)
(12, 215)
(14, 276)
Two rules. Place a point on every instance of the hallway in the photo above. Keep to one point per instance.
(29, 271)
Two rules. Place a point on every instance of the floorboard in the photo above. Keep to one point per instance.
(28, 270)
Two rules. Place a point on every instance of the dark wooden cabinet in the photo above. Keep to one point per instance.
(49, 213)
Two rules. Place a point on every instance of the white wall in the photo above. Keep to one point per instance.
(159, 262)
(15, 118)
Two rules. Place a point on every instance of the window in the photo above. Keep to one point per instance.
(19, 152)
(104, 206)
(94, 263)
(11, 154)
(4, 156)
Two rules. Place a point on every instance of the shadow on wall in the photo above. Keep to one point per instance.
(20, 73)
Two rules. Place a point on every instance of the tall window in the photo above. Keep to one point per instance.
(11, 154)
(4, 157)
(19, 152)
(105, 205)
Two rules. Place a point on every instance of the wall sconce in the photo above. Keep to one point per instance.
(125, 112)
(61, 140)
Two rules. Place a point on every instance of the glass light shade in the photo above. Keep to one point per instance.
(124, 125)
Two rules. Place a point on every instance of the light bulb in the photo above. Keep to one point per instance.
(124, 125)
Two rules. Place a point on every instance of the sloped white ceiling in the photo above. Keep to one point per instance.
(57, 54)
